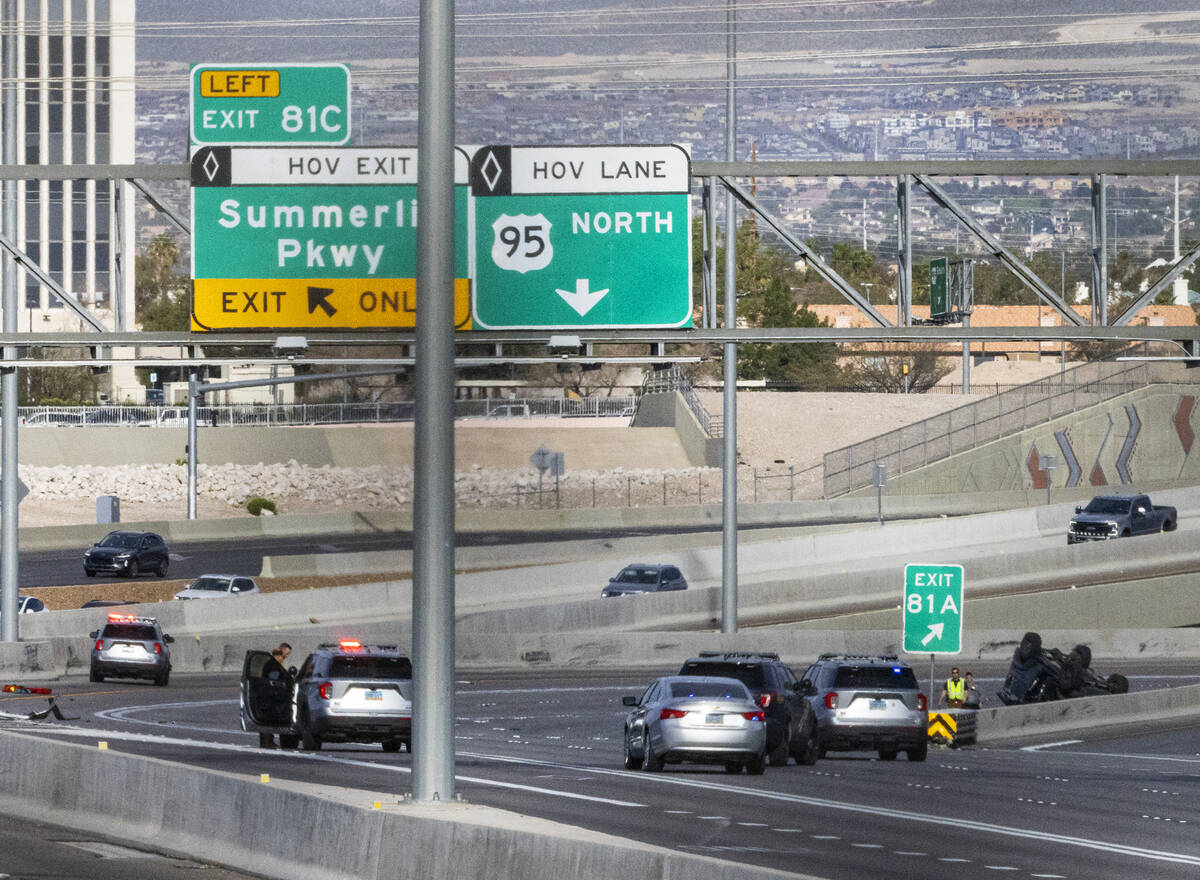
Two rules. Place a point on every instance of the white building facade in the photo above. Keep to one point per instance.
(75, 98)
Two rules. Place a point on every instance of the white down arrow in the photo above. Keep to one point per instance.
(582, 299)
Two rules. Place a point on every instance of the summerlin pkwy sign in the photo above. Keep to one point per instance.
(312, 238)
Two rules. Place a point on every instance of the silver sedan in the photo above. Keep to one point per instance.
(697, 719)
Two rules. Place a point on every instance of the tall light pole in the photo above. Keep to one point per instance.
(433, 431)
(729, 396)
(9, 480)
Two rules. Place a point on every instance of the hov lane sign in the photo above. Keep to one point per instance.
(312, 238)
(933, 609)
(579, 237)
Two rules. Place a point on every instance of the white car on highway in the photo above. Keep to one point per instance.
(218, 586)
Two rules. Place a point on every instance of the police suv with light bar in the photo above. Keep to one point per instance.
(343, 692)
(131, 647)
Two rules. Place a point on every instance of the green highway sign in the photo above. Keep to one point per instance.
(312, 238)
(581, 237)
(938, 302)
(253, 104)
(933, 609)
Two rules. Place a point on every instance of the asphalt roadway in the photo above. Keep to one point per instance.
(1102, 804)
(55, 568)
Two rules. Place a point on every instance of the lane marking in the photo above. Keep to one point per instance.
(110, 850)
(1116, 756)
(887, 812)
(332, 759)
(1065, 742)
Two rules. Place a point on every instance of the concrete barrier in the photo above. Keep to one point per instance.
(1048, 518)
(268, 829)
(216, 652)
(1039, 720)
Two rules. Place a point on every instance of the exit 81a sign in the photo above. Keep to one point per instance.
(242, 104)
(933, 609)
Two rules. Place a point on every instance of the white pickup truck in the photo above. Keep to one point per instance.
(168, 417)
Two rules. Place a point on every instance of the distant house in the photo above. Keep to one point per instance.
(844, 315)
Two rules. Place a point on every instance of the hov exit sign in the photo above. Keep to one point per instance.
(251, 104)
(312, 238)
(933, 609)
(581, 237)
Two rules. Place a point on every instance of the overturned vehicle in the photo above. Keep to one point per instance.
(1039, 675)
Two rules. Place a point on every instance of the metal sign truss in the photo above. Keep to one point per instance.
(906, 173)
(922, 173)
(513, 346)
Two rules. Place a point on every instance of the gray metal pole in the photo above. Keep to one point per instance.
(729, 493)
(121, 244)
(711, 250)
(1099, 250)
(966, 358)
(433, 447)
(192, 453)
(904, 250)
(9, 477)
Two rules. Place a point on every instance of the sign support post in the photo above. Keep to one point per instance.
(433, 439)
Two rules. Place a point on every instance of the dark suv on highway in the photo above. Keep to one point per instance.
(343, 692)
(868, 703)
(128, 554)
(791, 724)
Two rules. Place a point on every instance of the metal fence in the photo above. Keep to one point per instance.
(320, 413)
(702, 486)
(673, 379)
(983, 421)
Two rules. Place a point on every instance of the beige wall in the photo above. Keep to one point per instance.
(1163, 449)
(496, 445)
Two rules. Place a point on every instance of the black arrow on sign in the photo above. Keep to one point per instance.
(318, 297)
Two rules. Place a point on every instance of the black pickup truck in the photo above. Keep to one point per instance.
(1119, 516)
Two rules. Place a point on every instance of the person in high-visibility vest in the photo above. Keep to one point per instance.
(955, 691)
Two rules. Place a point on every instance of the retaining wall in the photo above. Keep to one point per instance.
(1144, 439)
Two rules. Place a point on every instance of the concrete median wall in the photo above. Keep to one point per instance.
(268, 829)
(1009, 723)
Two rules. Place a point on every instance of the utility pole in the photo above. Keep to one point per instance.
(9, 478)
(729, 494)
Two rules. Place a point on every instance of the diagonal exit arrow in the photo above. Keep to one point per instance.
(318, 297)
(935, 632)
(582, 298)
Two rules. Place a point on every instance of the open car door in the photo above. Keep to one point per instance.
(266, 696)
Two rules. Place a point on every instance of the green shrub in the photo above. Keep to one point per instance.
(257, 505)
